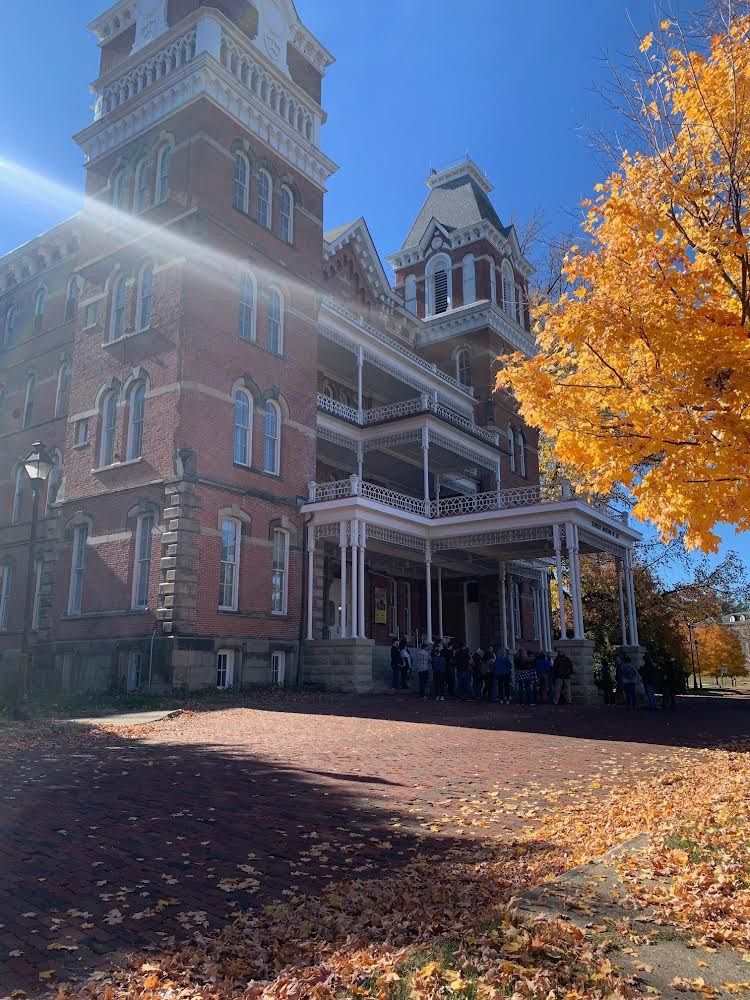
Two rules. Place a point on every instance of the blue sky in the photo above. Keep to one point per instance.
(416, 83)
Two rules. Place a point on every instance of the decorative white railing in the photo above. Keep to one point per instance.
(427, 366)
(406, 408)
(523, 496)
(240, 63)
(329, 405)
(156, 67)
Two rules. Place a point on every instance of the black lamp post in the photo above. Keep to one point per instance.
(38, 465)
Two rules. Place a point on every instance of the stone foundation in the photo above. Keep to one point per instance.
(339, 664)
(581, 654)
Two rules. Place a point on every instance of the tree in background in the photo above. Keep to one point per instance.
(720, 652)
(643, 371)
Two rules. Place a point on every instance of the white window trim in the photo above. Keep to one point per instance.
(109, 396)
(248, 431)
(130, 454)
(120, 283)
(75, 569)
(277, 440)
(512, 443)
(278, 667)
(237, 560)
(229, 669)
(137, 561)
(140, 194)
(268, 224)
(521, 443)
(135, 656)
(64, 368)
(9, 327)
(139, 324)
(285, 189)
(161, 195)
(244, 207)
(285, 583)
(6, 581)
(277, 291)
(469, 279)
(254, 311)
(38, 566)
(464, 352)
(440, 262)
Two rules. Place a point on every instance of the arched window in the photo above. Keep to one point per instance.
(521, 441)
(77, 569)
(18, 494)
(512, 448)
(410, 294)
(145, 296)
(247, 306)
(438, 276)
(275, 322)
(280, 572)
(163, 167)
(40, 304)
(229, 571)
(468, 270)
(120, 191)
(6, 582)
(71, 301)
(265, 207)
(509, 299)
(135, 421)
(117, 317)
(493, 282)
(63, 390)
(271, 437)
(243, 428)
(108, 432)
(141, 186)
(463, 367)
(241, 189)
(9, 328)
(142, 560)
(28, 403)
(54, 480)
(286, 215)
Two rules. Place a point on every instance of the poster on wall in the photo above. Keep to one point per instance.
(381, 610)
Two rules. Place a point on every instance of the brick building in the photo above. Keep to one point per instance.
(269, 459)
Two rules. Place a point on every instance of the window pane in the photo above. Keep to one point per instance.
(264, 200)
(165, 163)
(242, 439)
(109, 425)
(270, 439)
(146, 297)
(143, 560)
(240, 183)
(229, 560)
(278, 577)
(285, 208)
(274, 322)
(135, 430)
(441, 291)
(247, 308)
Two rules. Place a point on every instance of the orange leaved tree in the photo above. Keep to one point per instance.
(720, 652)
(643, 371)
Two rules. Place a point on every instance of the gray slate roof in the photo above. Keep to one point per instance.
(455, 204)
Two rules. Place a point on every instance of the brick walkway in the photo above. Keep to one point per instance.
(117, 840)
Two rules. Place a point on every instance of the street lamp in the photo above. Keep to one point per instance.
(38, 465)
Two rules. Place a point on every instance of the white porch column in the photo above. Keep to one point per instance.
(571, 535)
(354, 630)
(621, 603)
(310, 577)
(440, 601)
(360, 460)
(548, 610)
(362, 544)
(539, 614)
(426, 469)
(503, 606)
(428, 585)
(630, 593)
(360, 365)
(343, 546)
(559, 575)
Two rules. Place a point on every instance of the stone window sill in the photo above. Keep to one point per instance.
(116, 465)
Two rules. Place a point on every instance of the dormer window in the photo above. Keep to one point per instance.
(438, 277)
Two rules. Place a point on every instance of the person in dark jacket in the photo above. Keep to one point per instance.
(397, 662)
(487, 670)
(543, 668)
(608, 682)
(463, 671)
(525, 678)
(649, 677)
(501, 681)
(562, 671)
(671, 682)
(439, 670)
(405, 663)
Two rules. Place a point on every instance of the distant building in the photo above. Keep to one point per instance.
(268, 458)
(739, 623)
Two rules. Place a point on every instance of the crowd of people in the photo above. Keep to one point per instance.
(449, 668)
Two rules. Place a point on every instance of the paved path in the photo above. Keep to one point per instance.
(116, 839)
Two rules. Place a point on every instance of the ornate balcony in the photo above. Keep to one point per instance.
(406, 408)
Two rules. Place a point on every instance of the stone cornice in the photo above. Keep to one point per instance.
(466, 319)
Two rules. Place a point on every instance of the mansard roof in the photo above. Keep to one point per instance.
(458, 199)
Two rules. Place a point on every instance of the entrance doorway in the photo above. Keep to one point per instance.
(335, 606)
(471, 613)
